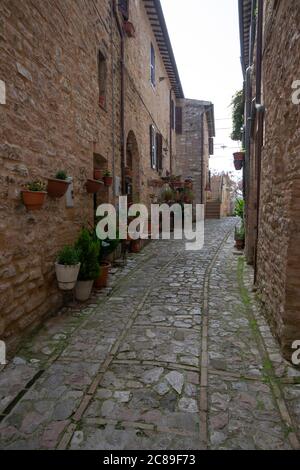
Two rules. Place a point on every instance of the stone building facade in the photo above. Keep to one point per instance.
(194, 142)
(270, 59)
(88, 85)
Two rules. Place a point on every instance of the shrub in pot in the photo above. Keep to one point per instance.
(88, 249)
(67, 267)
(57, 187)
(107, 178)
(239, 237)
(34, 195)
(107, 248)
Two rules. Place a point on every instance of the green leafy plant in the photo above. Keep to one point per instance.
(107, 173)
(237, 115)
(36, 186)
(61, 175)
(239, 208)
(187, 194)
(240, 232)
(168, 195)
(68, 256)
(89, 249)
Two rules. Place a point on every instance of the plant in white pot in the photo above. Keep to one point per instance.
(88, 249)
(67, 267)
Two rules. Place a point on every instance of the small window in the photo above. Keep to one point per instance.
(124, 9)
(178, 120)
(159, 151)
(102, 77)
(152, 65)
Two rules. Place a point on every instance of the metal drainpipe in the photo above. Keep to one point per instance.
(123, 156)
(260, 114)
(202, 157)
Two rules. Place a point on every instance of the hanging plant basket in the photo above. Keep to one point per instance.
(93, 186)
(129, 29)
(57, 188)
(33, 200)
(238, 160)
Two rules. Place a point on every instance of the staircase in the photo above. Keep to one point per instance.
(213, 210)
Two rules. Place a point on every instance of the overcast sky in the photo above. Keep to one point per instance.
(205, 40)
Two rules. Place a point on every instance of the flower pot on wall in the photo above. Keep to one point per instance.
(102, 101)
(238, 160)
(66, 275)
(83, 290)
(33, 200)
(129, 29)
(57, 188)
(107, 180)
(103, 278)
(93, 186)
(98, 174)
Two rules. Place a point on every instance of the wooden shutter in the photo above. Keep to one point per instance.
(159, 150)
(152, 147)
(178, 120)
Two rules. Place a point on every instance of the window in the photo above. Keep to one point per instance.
(156, 149)
(102, 76)
(172, 114)
(152, 65)
(124, 9)
(178, 120)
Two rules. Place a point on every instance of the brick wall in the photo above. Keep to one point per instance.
(279, 225)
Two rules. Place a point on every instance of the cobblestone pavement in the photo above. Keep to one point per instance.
(174, 355)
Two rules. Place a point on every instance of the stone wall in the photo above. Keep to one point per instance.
(279, 225)
(193, 146)
(51, 121)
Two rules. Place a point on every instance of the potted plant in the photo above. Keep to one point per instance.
(238, 159)
(57, 187)
(107, 178)
(88, 249)
(98, 174)
(188, 183)
(93, 186)
(168, 195)
(128, 172)
(188, 196)
(239, 236)
(67, 267)
(34, 195)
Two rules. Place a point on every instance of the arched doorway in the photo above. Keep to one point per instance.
(132, 173)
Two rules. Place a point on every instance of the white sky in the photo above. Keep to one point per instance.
(205, 40)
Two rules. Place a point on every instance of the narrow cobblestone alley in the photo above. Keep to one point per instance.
(175, 355)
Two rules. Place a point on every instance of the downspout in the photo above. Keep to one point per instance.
(202, 157)
(123, 155)
(260, 116)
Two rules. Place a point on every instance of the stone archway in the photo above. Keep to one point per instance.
(132, 173)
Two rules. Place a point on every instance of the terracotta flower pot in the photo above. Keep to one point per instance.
(135, 246)
(102, 101)
(93, 186)
(66, 275)
(33, 200)
(107, 180)
(129, 29)
(240, 244)
(103, 278)
(57, 188)
(83, 290)
(238, 161)
(98, 174)
(128, 172)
